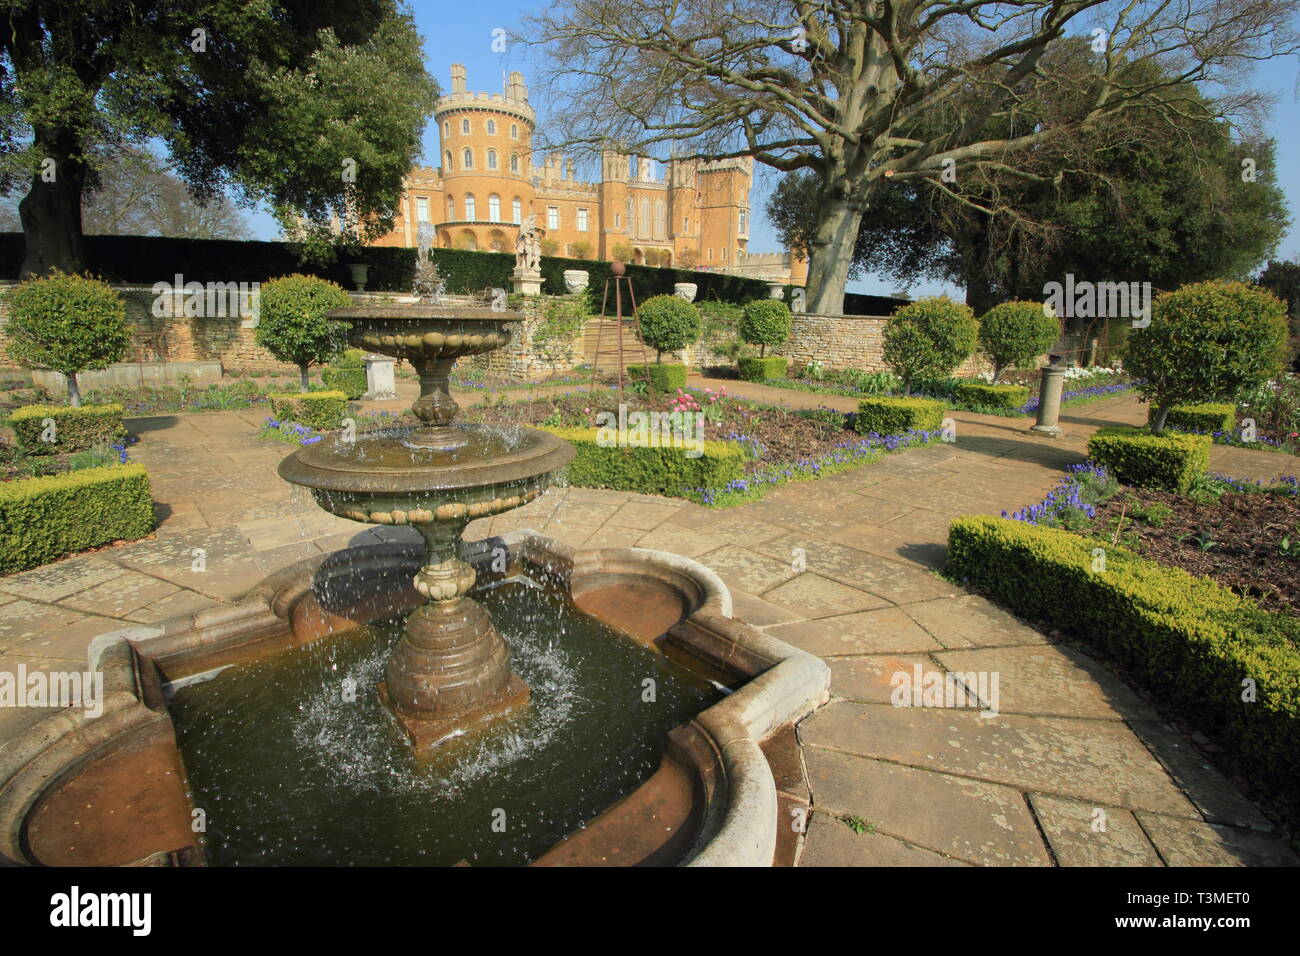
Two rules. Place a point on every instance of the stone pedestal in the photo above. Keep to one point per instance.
(1049, 401)
(526, 283)
(381, 383)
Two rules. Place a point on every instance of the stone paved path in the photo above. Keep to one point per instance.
(1070, 749)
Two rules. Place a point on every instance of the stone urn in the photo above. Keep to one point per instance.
(776, 290)
(360, 273)
(575, 280)
(685, 290)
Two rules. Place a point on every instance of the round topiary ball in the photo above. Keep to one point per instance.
(668, 323)
(929, 338)
(68, 323)
(1013, 334)
(765, 322)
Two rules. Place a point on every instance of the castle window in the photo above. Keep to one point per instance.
(494, 207)
(492, 127)
(421, 209)
(517, 211)
(464, 126)
(643, 227)
(618, 220)
(446, 130)
(470, 212)
(744, 221)
(552, 217)
(514, 131)
(467, 159)
(661, 220)
(686, 223)
(492, 159)
(451, 208)
(724, 253)
(582, 220)
(514, 163)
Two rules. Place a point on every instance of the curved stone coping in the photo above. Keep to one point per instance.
(781, 684)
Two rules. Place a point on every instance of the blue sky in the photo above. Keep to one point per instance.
(462, 33)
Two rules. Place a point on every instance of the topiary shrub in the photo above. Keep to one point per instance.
(51, 429)
(346, 374)
(42, 519)
(929, 338)
(662, 470)
(754, 369)
(320, 410)
(668, 323)
(292, 324)
(1208, 417)
(894, 416)
(1013, 334)
(1206, 342)
(665, 377)
(1004, 397)
(67, 323)
(1186, 640)
(765, 322)
(1137, 457)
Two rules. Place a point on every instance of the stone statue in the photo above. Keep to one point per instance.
(428, 284)
(528, 248)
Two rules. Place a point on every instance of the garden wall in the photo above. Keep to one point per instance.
(849, 341)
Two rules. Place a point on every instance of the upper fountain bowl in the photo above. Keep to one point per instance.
(427, 330)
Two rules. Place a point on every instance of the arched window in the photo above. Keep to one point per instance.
(464, 126)
(645, 218)
(661, 220)
(514, 163)
(446, 129)
(492, 159)
(448, 161)
(494, 207)
(451, 208)
(492, 127)
(631, 217)
(467, 159)
(470, 213)
(514, 130)
(517, 211)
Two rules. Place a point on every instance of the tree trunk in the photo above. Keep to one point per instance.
(302, 369)
(1158, 420)
(74, 391)
(832, 254)
(51, 210)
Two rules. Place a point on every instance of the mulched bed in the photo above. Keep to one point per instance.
(1234, 541)
(781, 435)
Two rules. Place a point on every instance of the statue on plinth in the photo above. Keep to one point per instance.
(527, 277)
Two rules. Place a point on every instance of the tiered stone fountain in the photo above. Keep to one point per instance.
(451, 668)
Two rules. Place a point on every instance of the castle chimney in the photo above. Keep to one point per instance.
(458, 78)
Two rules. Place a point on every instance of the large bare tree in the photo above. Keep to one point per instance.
(851, 89)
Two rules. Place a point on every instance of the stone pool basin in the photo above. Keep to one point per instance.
(112, 790)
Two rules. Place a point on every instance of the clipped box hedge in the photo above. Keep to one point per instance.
(1006, 397)
(663, 377)
(894, 416)
(74, 428)
(350, 381)
(652, 471)
(320, 410)
(1187, 640)
(1136, 457)
(1209, 417)
(754, 369)
(45, 518)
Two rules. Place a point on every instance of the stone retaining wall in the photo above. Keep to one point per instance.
(850, 341)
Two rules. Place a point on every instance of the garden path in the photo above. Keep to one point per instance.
(1076, 768)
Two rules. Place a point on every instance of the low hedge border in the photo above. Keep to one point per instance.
(1003, 398)
(654, 470)
(320, 410)
(1210, 417)
(42, 519)
(755, 369)
(1170, 461)
(895, 416)
(1189, 641)
(662, 377)
(75, 429)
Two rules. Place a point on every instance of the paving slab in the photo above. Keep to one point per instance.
(1087, 834)
(829, 842)
(971, 621)
(867, 632)
(1184, 842)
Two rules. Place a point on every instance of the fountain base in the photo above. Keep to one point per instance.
(427, 732)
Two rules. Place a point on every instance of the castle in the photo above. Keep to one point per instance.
(696, 215)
